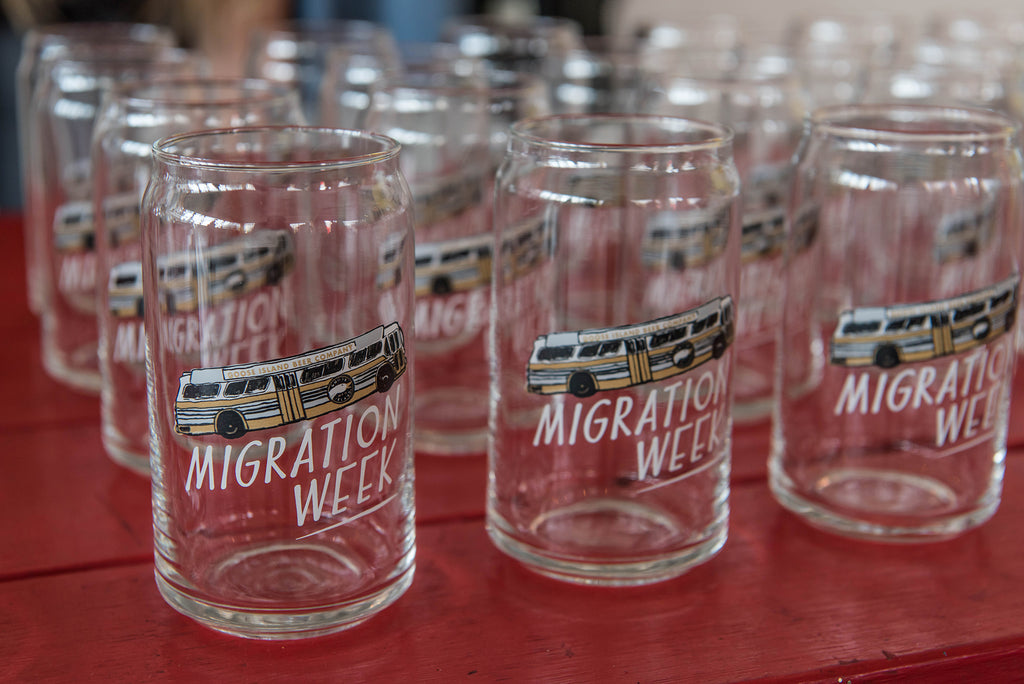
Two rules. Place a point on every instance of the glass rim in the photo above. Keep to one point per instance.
(719, 135)
(162, 152)
(242, 90)
(992, 125)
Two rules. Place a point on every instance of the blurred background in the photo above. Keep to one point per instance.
(221, 28)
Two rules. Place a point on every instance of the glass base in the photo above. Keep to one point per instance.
(80, 376)
(451, 422)
(287, 591)
(880, 505)
(606, 542)
(129, 458)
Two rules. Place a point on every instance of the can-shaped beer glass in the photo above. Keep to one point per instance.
(897, 339)
(132, 116)
(277, 276)
(611, 367)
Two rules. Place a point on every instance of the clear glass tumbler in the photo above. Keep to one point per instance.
(442, 121)
(765, 113)
(65, 106)
(277, 278)
(39, 48)
(897, 338)
(611, 370)
(131, 118)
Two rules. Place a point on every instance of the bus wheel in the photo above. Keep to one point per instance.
(981, 328)
(385, 377)
(682, 355)
(341, 390)
(718, 347)
(887, 357)
(235, 281)
(230, 425)
(582, 385)
(441, 286)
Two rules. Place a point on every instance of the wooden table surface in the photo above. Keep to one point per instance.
(780, 603)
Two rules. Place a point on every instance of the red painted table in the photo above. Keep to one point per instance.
(781, 602)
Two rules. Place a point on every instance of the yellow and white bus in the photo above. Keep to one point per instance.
(233, 400)
(124, 289)
(447, 198)
(73, 229)
(526, 244)
(121, 216)
(227, 270)
(682, 238)
(886, 336)
(962, 234)
(453, 265)
(764, 233)
(583, 362)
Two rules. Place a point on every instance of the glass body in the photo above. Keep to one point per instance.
(278, 295)
(132, 117)
(765, 114)
(611, 369)
(66, 105)
(897, 341)
(297, 52)
(39, 48)
(441, 120)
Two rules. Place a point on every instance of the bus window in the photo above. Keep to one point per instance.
(698, 326)
(312, 373)
(206, 390)
(357, 359)
(226, 261)
(334, 366)
(174, 271)
(423, 260)
(554, 353)
(589, 351)
(125, 280)
(916, 322)
(712, 319)
(857, 327)
(234, 389)
(996, 301)
(968, 311)
(609, 348)
(255, 253)
(257, 385)
(373, 350)
(455, 256)
(898, 324)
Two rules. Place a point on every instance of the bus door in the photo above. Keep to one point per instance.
(288, 398)
(639, 361)
(942, 334)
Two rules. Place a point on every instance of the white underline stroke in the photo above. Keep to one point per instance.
(346, 521)
(967, 445)
(688, 473)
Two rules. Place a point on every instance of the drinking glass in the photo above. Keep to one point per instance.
(296, 52)
(131, 118)
(441, 120)
(277, 284)
(611, 370)
(65, 108)
(765, 112)
(897, 339)
(39, 47)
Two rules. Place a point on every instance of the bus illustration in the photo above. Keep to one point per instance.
(124, 289)
(73, 229)
(233, 400)
(226, 270)
(453, 265)
(525, 245)
(886, 336)
(764, 233)
(389, 261)
(963, 233)
(684, 238)
(121, 215)
(447, 198)
(583, 362)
